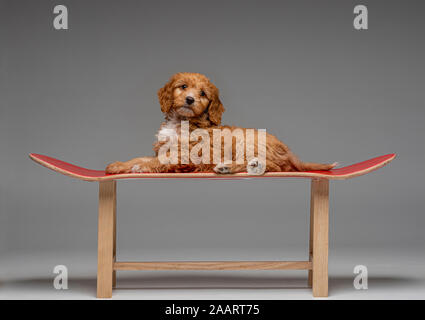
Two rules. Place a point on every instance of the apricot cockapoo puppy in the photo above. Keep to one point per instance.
(190, 101)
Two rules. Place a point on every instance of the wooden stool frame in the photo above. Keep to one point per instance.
(317, 264)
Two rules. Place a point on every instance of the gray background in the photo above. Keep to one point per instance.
(297, 68)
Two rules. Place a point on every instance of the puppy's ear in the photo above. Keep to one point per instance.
(165, 96)
(215, 109)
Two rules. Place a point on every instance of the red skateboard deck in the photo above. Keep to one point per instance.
(81, 173)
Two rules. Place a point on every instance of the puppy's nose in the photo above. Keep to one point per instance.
(189, 100)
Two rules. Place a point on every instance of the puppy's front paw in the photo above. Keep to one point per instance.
(222, 168)
(255, 167)
(116, 167)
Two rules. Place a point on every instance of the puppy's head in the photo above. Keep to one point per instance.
(191, 95)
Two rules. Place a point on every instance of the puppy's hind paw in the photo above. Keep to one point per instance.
(222, 168)
(139, 169)
(335, 164)
(255, 167)
(136, 169)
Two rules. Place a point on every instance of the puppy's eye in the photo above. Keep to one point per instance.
(183, 86)
(202, 93)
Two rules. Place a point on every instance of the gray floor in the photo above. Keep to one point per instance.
(393, 274)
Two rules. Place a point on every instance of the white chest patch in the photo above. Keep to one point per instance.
(167, 131)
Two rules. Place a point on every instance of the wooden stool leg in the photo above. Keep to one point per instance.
(105, 240)
(310, 250)
(320, 202)
(114, 273)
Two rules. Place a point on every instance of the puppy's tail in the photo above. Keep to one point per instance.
(309, 166)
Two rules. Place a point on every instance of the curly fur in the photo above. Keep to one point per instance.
(205, 112)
